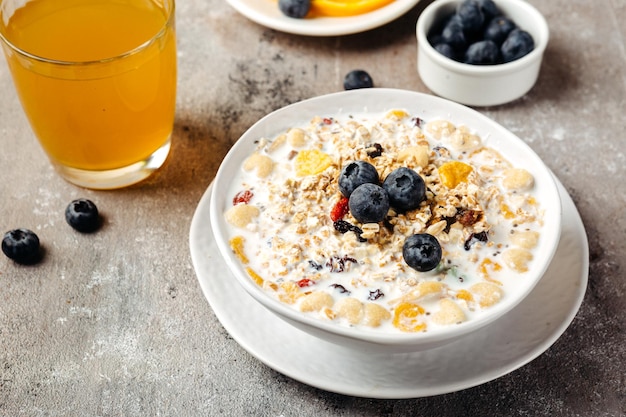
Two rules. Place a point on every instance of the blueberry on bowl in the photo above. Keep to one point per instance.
(422, 252)
(369, 203)
(406, 189)
(477, 64)
(354, 174)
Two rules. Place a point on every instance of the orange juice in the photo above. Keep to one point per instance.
(96, 78)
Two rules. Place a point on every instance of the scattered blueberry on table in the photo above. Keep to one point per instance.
(82, 214)
(357, 79)
(478, 33)
(22, 246)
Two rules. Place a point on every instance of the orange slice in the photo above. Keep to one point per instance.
(339, 8)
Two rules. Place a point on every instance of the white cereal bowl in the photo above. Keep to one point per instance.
(379, 101)
(481, 85)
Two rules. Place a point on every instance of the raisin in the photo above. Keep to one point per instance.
(340, 287)
(315, 265)
(418, 122)
(343, 226)
(375, 150)
(337, 264)
(375, 295)
(468, 217)
(475, 237)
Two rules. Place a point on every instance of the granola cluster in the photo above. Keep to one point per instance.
(297, 240)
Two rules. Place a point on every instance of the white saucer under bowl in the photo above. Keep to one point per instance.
(495, 350)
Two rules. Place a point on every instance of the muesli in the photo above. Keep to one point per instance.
(456, 242)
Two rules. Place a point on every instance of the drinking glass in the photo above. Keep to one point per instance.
(97, 81)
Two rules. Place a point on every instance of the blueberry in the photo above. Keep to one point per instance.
(471, 16)
(369, 203)
(422, 252)
(294, 8)
(446, 50)
(482, 53)
(21, 245)
(354, 174)
(516, 45)
(357, 79)
(488, 7)
(82, 215)
(498, 29)
(453, 34)
(406, 189)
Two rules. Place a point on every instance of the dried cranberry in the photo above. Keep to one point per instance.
(305, 282)
(243, 197)
(340, 209)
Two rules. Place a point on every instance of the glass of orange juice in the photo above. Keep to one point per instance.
(97, 81)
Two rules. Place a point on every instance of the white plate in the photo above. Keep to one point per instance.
(266, 13)
(507, 344)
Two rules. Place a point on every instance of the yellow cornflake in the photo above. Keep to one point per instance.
(255, 277)
(291, 292)
(398, 114)
(464, 295)
(406, 317)
(311, 162)
(486, 266)
(453, 173)
(506, 211)
(236, 244)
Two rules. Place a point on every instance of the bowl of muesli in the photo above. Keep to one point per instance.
(384, 219)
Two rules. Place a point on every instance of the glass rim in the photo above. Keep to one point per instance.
(168, 22)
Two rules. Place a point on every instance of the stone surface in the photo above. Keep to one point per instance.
(115, 324)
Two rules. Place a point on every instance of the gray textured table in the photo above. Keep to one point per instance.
(115, 324)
